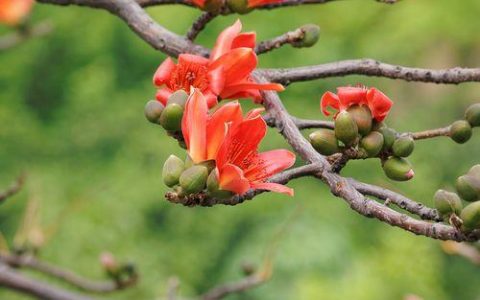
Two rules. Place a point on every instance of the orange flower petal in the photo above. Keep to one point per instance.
(231, 179)
(269, 163)
(237, 64)
(194, 126)
(349, 96)
(329, 99)
(274, 187)
(257, 3)
(225, 40)
(379, 104)
(162, 75)
(163, 94)
(244, 40)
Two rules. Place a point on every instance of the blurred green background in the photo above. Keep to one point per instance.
(71, 107)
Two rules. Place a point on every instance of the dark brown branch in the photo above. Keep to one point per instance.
(199, 25)
(66, 275)
(13, 189)
(286, 38)
(11, 279)
(237, 287)
(13, 39)
(370, 67)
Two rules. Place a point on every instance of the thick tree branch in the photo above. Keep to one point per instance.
(13, 189)
(370, 67)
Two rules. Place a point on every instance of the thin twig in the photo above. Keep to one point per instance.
(13, 189)
(286, 38)
(431, 133)
(199, 25)
(466, 250)
(237, 287)
(13, 39)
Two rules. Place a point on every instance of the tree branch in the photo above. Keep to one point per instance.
(13, 189)
(370, 67)
(236, 287)
(286, 38)
(199, 25)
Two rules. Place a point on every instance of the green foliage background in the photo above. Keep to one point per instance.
(71, 108)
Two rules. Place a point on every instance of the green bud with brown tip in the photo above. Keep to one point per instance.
(171, 118)
(239, 6)
(214, 189)
(153, 111)
(472, 115)
(179, 97)
(447, 203)
(363, 117)
(193, 179)
(372, 143)
(461, 131)
(468, 188)
(324, 141)
(403, 146)
(470, 216)
(172, 169)
(475, 172)
(346, 129)
(311, 33)
(388, 137)
(399, 169)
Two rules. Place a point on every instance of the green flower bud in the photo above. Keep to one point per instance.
(363, 117)
(346, 129)
(209, 164)
(213, 188)
(153, 111)
(372, 143)
(399, 169)
(213, 6)
(376, 126)
(188, 162)
(193, 179)
(403, 146)
(179, 97)
(388, 137)
(311, 33)
(472, 115)
(468, 187)
(239, 6)
(172, 169)
(470, 216)
(475, 172)
(171, 118)
(324, 141)
(447, 203)
(461, 131)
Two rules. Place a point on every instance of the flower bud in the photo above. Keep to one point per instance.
(239, 6)
(447, 203)
(363, 117)
(179, 97)
(470, 216)
(472, 115)
(399, 169)
(153, 111)
(461, 131)
(376, 126)
(475, 172)
(193, 179)
(188, 162)
(209, 164)
(213, 188)
(388, 137)
(171, 118)
(468, 187)
(372, 143)
(403, 146)
(172, 169)
(311, 32)
(346, 129)
(324, 141)
(213, 6)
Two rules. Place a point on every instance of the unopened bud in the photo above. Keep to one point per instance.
(109, 263)
(214, 189)
(363, 117)
(171, 118)
(193, 179)
(372, 143)
(213, 6)
(468, 188)
(153, 111)
(239, 6)
(209, 164)
(403, 146)
(461, 131)
(188, 162)
(388, 137)
(475, 172)
(311, 33)
(179, 97)
(472, 115)
(447, 203)
(399, 169)
(172, 169)
(470, 216)
(346, 129)
(324, 141)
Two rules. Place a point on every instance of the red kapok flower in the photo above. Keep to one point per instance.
(12, 12)
(377, 102)
(226, 74)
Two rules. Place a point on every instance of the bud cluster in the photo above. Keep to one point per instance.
(468, 189)
(461, 130)
(169, 116)
(355, 128)
(187, 178)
